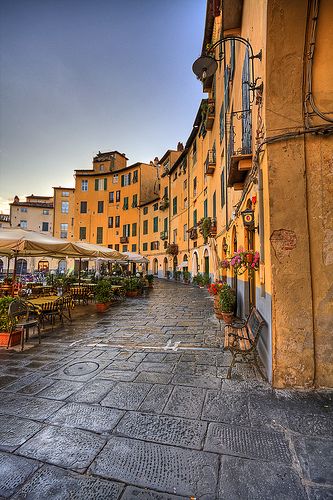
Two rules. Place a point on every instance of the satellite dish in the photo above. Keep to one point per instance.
(204, 67)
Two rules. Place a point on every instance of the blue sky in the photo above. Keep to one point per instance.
(79, 76)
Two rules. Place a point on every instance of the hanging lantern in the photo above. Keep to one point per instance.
(248, 217)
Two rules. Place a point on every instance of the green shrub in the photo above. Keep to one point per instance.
(103, 292)
(4, 318)
(227, 298)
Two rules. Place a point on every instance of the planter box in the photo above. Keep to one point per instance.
(102, 306)
(15, 340)
(132, 293)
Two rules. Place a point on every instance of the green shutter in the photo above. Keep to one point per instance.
(129, 178)
(122, 181)
(96, 184)
(105, 184)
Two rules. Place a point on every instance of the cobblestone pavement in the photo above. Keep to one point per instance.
(134, 404)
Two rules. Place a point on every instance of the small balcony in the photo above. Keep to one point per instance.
(240, 150)
(164, 203)
(164, 235)
(210, 114)
(193, 233)
(210, 162)
(123, 239)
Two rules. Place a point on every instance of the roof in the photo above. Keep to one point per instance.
(149, 202)
(104, 153)
(31, 204)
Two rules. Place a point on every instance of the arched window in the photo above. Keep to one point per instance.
(21, 266)
(62, 266)
(155, 266)
(165, 267)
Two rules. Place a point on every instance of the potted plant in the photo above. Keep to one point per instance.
(103, 295)
(227, 303)
(177, 275)
(245, 260)
(5, 324)
(150, 279)
(186, 277)
(133, 286)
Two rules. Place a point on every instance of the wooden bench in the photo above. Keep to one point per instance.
(241, 339)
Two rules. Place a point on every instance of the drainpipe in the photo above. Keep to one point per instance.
(261, 225)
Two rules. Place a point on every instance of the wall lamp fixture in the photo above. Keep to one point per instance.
(206, 65)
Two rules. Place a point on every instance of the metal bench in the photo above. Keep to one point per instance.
(241, 339)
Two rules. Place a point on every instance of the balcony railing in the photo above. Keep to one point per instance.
(210, 162)
(210, 115)
(239, 149)
(193, 233)
(123, 239)
(164, 235)
(172, 249)
(164, 203)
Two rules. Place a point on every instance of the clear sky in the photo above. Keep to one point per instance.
(79, 76)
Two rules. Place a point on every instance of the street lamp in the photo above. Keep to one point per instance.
(206, 65)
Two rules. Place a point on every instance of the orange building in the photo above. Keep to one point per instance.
(107, 200)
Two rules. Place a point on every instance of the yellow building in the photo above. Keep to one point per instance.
(107, 200)
(63, 215)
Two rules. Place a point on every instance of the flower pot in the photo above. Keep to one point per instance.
(101, 306)
(227, 317)
(218, 314)
(15, 340)
(132, 293)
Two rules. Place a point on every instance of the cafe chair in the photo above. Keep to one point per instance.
(20, 320)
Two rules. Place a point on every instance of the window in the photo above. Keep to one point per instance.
(99, 237)
(24, 209)
(185, 184)
(166, 192)
(101, 168)
(117, 221)
(124, 248)
(47, 212)
(214, 205)
(145, 226)
(100, 207)
(84, 185)
(206, 208)
(83, 207)
(115, 179)
(222, 190)
(174, 206)
(135, 176)
(63, 230)
(111, 197)
(145, 210)
(175, 236)
(126, 179)
(116, 247)
(222, 123)
(83, 233)
(134, 229)
(65, 194)
(194, 153)
(134, 248)
(64, 207)
(135, 201)
(110, 222)
(185, 232)
(110, 246)
(145, 247)
(194, 187)
(125, 206)
(45, 226)
(154, 245)
(155, 224)
(126, 230)
(23, 224)
(155, 207)
(195, 218)
(165, 225)
(185, 202)
(101, 184)
(117, 196)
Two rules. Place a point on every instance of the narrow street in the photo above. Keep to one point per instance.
(134, 404)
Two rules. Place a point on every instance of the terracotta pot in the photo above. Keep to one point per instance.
(15, 340)
(132, 293)
(227, 317)
(101, 306)
(218, 314)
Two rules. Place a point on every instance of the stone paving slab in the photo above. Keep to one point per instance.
(118, 375)
(154, 378)
(22, 382)
(163, 429)
(80, 371)
(6, 380)
(89, 417)
(146, 366)
(36, 387)
(226, 407)
(126, 396)
(60, 390)
(319, 493)
(69, 448)
(28, 407)
(185, 402)
(132, 493)
(156, 399)
(15, 431)
(14, 471)
(310, 424)
(205, 382)
(93, 392)
(254, 480)
(316, 459)
(57, 484)
(163, 468)
(247, 442)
